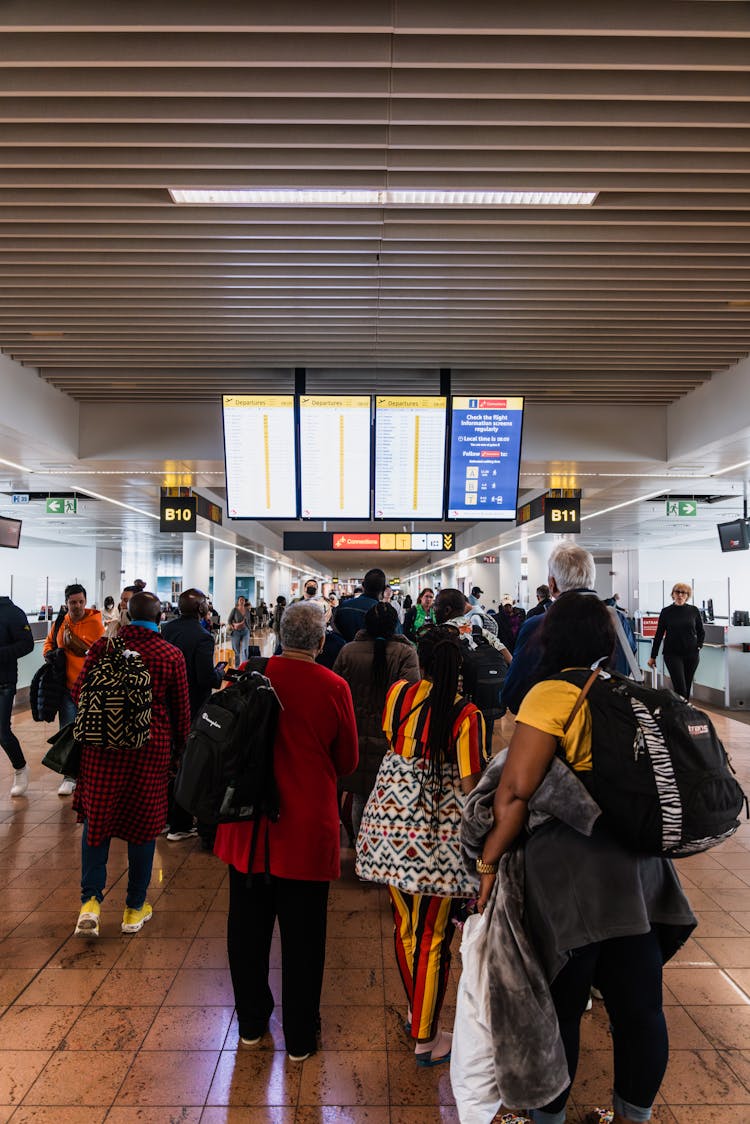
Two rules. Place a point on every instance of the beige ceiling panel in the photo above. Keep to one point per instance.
(110, 287)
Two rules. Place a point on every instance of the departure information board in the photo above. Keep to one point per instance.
(409, 457)
(335, 457)
(485, 457)
(260, 456)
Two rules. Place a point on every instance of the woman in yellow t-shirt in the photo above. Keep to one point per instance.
(593, 909)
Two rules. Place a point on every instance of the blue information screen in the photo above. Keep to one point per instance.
(485, 457)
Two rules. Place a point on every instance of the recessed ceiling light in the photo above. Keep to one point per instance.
(371, 197)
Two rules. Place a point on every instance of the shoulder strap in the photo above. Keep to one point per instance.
(581, 698)
(622, 640)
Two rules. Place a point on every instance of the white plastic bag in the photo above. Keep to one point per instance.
(472, 1067)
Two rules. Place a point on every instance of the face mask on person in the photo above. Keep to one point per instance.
(311, 590)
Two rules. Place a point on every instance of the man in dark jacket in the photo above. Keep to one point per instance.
(197, 646)
(571, 569)
(350, 615)
(15, 641)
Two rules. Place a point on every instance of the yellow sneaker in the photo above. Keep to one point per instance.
(88, 919)
(133, 920)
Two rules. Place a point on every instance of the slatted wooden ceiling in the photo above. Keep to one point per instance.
(111, 289)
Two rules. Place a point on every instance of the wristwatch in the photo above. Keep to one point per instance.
(486, 868)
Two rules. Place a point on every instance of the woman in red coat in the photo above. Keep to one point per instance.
(123, 793)
(288, 876)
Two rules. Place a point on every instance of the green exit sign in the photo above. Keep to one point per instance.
(62, 505)
(681, 509)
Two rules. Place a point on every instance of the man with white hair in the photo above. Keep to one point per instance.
(571, 569)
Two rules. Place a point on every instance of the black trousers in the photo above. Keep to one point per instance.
(628, 972)
(178, 818)
(255, 903)
(681, 670)
(8, 739)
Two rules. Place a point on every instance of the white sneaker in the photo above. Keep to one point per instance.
(177, 836)
(67, 787)
(20, 781)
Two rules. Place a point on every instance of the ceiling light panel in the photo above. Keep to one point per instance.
(370, 197)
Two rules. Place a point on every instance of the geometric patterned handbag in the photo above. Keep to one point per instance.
(401, 844)
(114, 707)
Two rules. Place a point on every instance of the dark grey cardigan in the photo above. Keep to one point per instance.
(557, 887)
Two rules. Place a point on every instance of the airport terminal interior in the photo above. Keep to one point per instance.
(290, 292)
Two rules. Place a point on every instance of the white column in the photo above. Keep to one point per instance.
(196, 562)
(510, 573)
(225, 578)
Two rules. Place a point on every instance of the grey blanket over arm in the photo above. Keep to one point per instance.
(529, 1059)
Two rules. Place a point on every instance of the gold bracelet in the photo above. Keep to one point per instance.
(486, 868)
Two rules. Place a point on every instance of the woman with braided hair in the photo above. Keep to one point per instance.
(431, 721)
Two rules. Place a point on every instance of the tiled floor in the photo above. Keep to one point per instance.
(141, 1028)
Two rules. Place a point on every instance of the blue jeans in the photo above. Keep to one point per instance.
(8, 739)
(94, 870)
(67, 711)
(241, 646)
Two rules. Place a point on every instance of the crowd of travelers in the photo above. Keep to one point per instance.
(382, 728)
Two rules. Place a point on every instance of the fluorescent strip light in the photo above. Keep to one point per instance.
(722, 471)
(371, 197)
(627, 503)
(12, 464)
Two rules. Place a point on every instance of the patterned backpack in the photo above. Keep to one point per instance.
(114, 708)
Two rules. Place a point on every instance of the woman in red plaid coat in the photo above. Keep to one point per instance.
(123, 793)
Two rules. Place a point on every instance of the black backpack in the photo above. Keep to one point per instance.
(227, 773)
(483, 670)
(660, 774)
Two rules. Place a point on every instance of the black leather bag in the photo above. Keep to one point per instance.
(64, 754)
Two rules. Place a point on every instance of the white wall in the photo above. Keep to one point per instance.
(725, 578)
(29, 569)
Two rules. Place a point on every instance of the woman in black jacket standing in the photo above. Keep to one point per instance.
(681, 627)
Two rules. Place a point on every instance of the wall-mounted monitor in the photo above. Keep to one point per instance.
(409, 457)
(485, 457)
(260, 456)
(733, 536)
(335, 456)
(10, 532)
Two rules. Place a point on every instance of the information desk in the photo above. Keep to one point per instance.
(723, 675)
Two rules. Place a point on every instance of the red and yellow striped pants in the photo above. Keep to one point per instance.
(423, 931)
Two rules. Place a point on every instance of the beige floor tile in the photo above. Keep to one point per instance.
(189, 1028)
(411, 1085)
(711, 986)
(63, 986)
(135, 988)
(80, 1078)
(18, 1071)
(44, 1114)
(39, 1027)
(244, 1078)
(343, 1114)
(110, 1028)
(204, 986)
(269, 1114)
(701, 1077)
(161, 1115)
(168, 1078)
(351, 1077)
